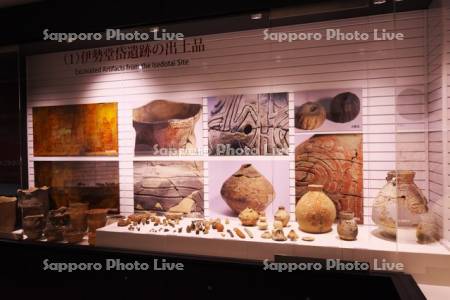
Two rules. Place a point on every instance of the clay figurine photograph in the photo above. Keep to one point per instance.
(328, 110)
(169, 186)
(243, 125)
(76, 130)
(235, 187)
(165, 127)
(335, 163)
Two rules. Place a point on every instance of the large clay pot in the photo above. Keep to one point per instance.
(34, 201)
(247, 188)
(315, 212)
(336, 162)
(400, 202)
(33, 226)
(7, 213)
(344, 107)
(310, 116)
(78, 216)
(165, 124)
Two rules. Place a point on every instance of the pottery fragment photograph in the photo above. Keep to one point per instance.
(331, 110)
(255, 124)
(334, 161)
(169, 186)
(163, 125)
(95, 183)
(75, 130)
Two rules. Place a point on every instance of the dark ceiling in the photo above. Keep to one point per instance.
(25, 23)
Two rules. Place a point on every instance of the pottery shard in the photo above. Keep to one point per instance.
(171, 184)
(187, 204)
(247, 188)
(334, 161)
(258, 124)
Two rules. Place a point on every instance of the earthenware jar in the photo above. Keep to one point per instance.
(399, 202)
(33, 226)
(166, 124)
(262, 222)
(78, 216)
(282, 215)
(57, 221)
(34, 201)
(427, 230)
(249, 217)
(310, 116)
(7, 213)
(315, 212)
(247, 188)
(347, 227)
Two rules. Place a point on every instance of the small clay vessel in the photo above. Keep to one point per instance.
(262, 223)
(315, 212)
(7, 213)
(310, 115)
(249, 217)
(78, 216)
(347, 227)
(427, 230)
(282, 215)
(344, 107)
(292, 235)
(266, 235)
(57, 221)
(277, 224)
(33, 226)
(247, 188)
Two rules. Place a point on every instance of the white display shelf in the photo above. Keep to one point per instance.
(327, 245)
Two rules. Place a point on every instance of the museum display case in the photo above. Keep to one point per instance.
(243, 144)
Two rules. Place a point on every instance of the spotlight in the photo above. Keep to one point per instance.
(256, 16)
(154, 29)
(378, 2)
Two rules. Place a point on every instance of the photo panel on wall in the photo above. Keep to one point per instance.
(334, 110)
(261, 185)
(253, 124)
(168, 127)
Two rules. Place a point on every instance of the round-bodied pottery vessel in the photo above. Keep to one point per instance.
(282, 215)
(315, 212)
(310, 115)
(249, 217)
(247, 188)
(347, 227)
(399, 202)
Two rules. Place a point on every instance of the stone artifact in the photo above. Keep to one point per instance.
(249, 125)
(34, 201)
(92, 182)
(292, 235)
(57, 221)
(262, 222)
(247, 188)
(315, 212)
(249, 232)
(282, 215)
(177, 186)
(75, 130)
(230, 233)
(310, 115)
(308, 238)
(33, 226)
(266, 235)
(344, 108)
(347, 227)
(78, 216)
(239, 233)
(8, 207)
(427, 230)
(219, 227)
(96, 219)
(334, 161)
(399, 202)
(249, 217)
(163, 124)
(278, 235)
